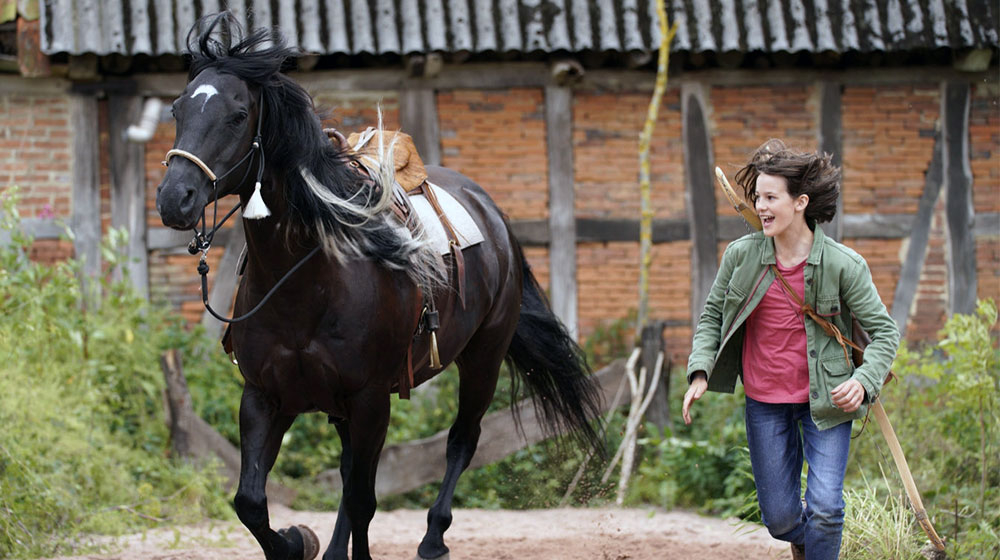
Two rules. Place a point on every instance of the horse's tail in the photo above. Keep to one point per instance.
(552, 365)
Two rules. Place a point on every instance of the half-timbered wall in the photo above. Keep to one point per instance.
(512, 135)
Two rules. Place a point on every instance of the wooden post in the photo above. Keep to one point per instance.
(562, 205)
(830, 123)
(652, 345)
(86, 216)
(958, 202)
(916, 252)
(698, 178)
(419, 118)
(128, 187)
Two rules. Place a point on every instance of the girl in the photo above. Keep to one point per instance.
(802, 392)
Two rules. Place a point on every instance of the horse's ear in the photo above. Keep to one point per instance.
(336, 138)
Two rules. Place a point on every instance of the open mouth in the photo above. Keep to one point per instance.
(766, 220)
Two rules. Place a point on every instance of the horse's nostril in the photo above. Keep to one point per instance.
(188, 199)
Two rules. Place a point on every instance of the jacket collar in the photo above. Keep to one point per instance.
(767, 255)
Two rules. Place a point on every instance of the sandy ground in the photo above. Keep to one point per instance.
(600, 534)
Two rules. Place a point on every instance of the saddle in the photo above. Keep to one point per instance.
(410, 180)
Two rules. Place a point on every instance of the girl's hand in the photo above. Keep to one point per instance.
(849, 395)
(699, 382)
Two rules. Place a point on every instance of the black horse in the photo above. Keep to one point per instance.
(334, 287)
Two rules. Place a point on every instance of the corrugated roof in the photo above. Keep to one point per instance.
(401, 27)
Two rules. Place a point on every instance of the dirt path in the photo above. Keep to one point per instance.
(600, 534)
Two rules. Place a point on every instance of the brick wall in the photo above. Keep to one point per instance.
(888, 136)
(36, 156)
(36, 153)
(743, 118)
(606, 130)
(984, 151)
(497, 138)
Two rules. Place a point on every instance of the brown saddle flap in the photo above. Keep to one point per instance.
(410, 171)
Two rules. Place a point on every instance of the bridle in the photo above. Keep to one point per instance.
(202, 240)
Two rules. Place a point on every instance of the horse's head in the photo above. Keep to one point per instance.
(217, 117)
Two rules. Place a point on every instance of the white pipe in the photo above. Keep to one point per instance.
(143, 131)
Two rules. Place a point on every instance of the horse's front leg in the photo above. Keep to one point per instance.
(261, 430)
(342, 530)
(369, 420)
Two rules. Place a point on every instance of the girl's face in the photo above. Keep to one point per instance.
(776, 208)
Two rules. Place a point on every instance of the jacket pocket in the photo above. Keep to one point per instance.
(731, 305)
(836, 367)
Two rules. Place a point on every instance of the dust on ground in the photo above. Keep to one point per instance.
(566, 533)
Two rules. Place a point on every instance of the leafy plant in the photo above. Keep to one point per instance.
(84, 447)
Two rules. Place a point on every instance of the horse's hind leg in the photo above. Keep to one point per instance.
(479, 366)
(261, 430)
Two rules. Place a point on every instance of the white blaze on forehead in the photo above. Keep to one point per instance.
(208, 90)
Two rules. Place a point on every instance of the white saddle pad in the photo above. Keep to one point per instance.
(465, 227)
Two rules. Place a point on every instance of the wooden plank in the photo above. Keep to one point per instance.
(504, 75)
(86, 215)
(128, 187)
(562, 205)
(535, 233)
(224, 281)
(409, 465)
(700, 188)
(958, 200)
(830, 142)
(419, 118)
(916, 252)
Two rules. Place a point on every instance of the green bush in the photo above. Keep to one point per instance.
(84, 447)
(945, 409)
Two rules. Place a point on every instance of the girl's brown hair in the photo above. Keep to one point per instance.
(808, 173)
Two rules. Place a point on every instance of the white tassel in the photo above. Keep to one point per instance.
(256, 208)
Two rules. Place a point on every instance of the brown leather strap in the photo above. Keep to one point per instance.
(827, 326)
(456, 249)
(406, 382)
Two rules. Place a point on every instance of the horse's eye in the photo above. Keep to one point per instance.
(238, 118)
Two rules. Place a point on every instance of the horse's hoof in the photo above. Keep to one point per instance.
(310, 543)
(445, 556)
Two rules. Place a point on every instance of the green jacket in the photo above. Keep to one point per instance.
(833, 274)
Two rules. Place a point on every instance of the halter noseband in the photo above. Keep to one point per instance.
(203, 240)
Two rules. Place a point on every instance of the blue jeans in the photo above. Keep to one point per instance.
(777, 446)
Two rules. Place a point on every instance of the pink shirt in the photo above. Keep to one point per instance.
(775, 362)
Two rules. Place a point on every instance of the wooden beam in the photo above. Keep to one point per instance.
(562, 205)
(916, 252)
(86, 215)
(31, 61)
(535, 233)
(405, 466)
(419, 117)
(128, 186)
(700, 188)
(958, 198)
(830, 142)
(224, 281)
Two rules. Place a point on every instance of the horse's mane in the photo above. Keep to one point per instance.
(327, 199)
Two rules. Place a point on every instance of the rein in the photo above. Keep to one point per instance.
(202, 240)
